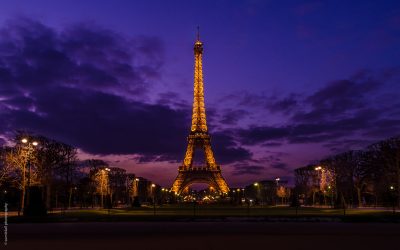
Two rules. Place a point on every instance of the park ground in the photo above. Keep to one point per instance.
(184, 212)
(189, 226)
(203, 235)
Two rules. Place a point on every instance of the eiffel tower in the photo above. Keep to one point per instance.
(199, 138)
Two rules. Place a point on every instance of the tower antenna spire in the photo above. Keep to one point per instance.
(198, 33)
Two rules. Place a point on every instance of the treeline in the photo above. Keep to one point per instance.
(369, 177)
(44, 171)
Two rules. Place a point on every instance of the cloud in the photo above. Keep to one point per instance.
(360, 106)
(337, 146)
(245, 169)
(284, 105)
(363, 120)
(85, 85)
(34, 57)
(226, 149)
(231, 116)
(173, 100)
(260, 134)
(101, 123)
(274, 160)
(279, 165)
(340, 98)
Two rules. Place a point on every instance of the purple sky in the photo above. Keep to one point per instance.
(285, 84)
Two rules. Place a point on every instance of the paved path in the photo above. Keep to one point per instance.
(203, 235)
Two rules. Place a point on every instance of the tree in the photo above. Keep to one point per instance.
(387, 156)
(15, 167)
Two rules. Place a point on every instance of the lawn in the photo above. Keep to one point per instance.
(212, 212)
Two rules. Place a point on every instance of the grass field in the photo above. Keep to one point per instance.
(190, 212)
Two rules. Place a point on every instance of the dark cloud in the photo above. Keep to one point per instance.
(157, 158)
(245, 98)
(259, 134)
(359, 106)
(226, 149)
(340, 99)
(337, 146)
(272, 144)
(34, 57)
(313, 132)
(231, 117)
(245, 169)
(105, 124)
(274, 160)
(173, 100)
(285, 105)
(279, 165)
(84, 85)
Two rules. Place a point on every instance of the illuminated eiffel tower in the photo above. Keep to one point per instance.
(199, 138)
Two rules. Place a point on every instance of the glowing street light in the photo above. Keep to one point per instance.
(154, 197)
(277, 181)
(30, 146)
(318, 168)
(256, 184)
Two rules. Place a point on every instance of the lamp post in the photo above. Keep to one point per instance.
(162, 195)
(330, 189)
(392, 189)
(136, 191)
(318, 169)
(277, 186)
(154, 197)
(109, 201)
(256, 185)
(103, 182)
(30, 145)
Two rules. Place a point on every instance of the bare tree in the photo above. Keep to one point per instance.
(387, 154)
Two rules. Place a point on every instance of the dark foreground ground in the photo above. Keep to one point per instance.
(233, 234)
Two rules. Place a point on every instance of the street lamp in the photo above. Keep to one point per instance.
(103, 180)
(257, 185)
(30, 147)
(136, 192)
(318, 169)
(277, 185)
(393, 198)
(154, 197)
(109, 200)
(331, 194)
